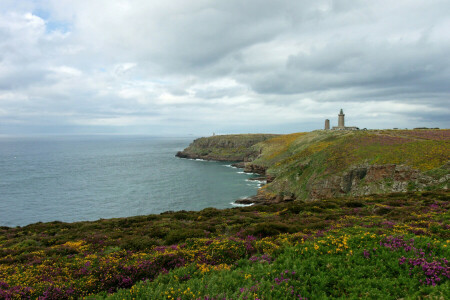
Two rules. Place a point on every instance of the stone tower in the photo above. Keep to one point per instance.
(341, 116)
(327, 124)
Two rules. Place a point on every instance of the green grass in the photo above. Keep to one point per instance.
(302, 160)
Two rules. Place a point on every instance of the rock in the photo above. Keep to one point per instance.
(251, 168)
(244, 201)
(270, 178)
(371, 179)
(379, 172)
(180, 154)
(352, 177)
(405, 173)
(288, 199)
(262, 198)
(261, 178)
(239, 165)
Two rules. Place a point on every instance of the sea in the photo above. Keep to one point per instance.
(83, 178)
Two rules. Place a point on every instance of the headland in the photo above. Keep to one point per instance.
(335, 163)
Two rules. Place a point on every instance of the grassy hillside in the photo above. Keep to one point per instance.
(235, 147)
(390, 247)
(339, 163)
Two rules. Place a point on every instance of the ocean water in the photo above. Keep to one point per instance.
(91, 177)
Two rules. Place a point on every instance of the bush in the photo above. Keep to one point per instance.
(354, 204)
(382, 210)
(297, 208)
(396, 203)
(269, 229)
(175, 236)
(329, 205)
(318, 225)
(157, 232)
(211, 212)
(182, 215)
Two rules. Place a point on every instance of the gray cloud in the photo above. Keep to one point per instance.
(202, 66)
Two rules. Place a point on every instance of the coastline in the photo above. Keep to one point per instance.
(258, 198)
(325, 164)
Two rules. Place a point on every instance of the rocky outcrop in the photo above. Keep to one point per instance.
(237, 147)
(239, 165)
(264, 198)
(357, 181)
(374, 179)
(257, 169)
(251, 168)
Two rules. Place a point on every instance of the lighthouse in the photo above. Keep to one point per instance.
(341, 123)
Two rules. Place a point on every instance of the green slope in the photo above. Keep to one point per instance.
(304, 163)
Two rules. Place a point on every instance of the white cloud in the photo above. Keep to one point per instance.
(66, 71)
(191, 66)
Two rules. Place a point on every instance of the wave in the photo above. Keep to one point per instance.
(240, 205)
(257, 181)
(230, 166)
(199, 159)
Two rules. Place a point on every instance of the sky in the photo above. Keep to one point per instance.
(178, 67)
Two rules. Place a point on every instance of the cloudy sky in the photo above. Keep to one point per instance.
(177, 67)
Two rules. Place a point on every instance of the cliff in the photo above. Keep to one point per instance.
(235, 147)
(324, 164)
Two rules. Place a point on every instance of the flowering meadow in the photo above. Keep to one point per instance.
(389, 246)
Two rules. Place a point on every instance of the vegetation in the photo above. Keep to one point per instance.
(376, 246)
(299, 161)
(389, 246)
(234, 147)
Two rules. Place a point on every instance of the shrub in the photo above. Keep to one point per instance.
(354, 204)
(297, 208)
(329, 205)
(382, 210)
(210, 212)
(27, 243)
(180, 235)
(269, 229)
(182, 215)
(318, 225)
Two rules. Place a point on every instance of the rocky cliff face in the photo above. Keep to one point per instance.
(251, 168)
(327, 164)
(375, 179)
(236, 147)
(357, 181)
